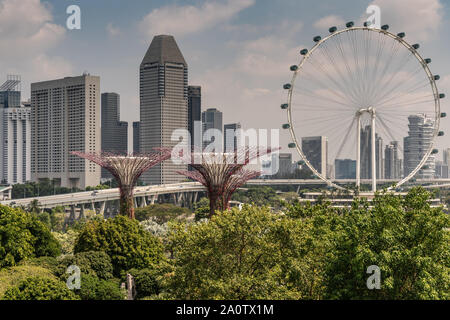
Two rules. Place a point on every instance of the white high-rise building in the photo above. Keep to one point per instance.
(65, 117)
(14, 134)
(416, 144)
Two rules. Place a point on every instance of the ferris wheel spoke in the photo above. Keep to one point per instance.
(388, 133)
(408, 103)
(399, 93)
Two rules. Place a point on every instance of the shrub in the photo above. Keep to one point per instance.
(23, 236)
(161, 212)
(96, 263)
(124, 240)
(12, 276)
(66, 240)
(39, 288)
(93, 288)
(146, 281)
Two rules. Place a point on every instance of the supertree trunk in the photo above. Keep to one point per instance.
(126, 201)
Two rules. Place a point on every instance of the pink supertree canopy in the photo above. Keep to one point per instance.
(126, 169)
(223, 173)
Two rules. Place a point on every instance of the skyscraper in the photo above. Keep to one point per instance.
(392, 164)
(14, 134)
(163, 104)
(65, 117)
(345, 168)
(416, 144)
(114, 131)
(366, 154)
(232, 136)
(195, 114)
(136, 133)
(316, 151)
(211, 119)
(446, 156)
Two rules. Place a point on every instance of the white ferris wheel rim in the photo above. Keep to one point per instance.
(432, 84)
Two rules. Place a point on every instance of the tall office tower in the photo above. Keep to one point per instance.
(441, 170)
(345, 168)
(195, 114)
(366, 154)
(316, 151)
(10, 92)
(164, 105)
(392, 164)
(211, 119)
(415, 145)
(65, 117)
(446, 156)
(114, 132)
(136, 133)
(14, 134)
(232, 136)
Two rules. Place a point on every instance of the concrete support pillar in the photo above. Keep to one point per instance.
(72, 213)
(82, 215)
(102, 208)
(142, 203)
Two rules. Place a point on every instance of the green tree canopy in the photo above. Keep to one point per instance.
(23, 236)
(40, 288)
(124, 240)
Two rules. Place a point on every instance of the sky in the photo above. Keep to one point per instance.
(238, 51)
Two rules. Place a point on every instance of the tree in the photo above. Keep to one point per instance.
(234, 255)
(39, 288)
(405, 237)
(23, 236)
(124, 240)
(95, 263)
(161, 212)
(93, 288)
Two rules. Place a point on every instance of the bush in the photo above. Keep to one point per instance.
(39, 288)
(23, 236)
(50, 263)
(146, 281)
(93, 288)
(124, 240)
(161, 212)
(66, 240)
(95, 263)
(12, 276)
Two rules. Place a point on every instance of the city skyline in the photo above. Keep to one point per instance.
(245, 50)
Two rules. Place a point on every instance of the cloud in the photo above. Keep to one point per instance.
(27, 36)
(419, 19)
(112, 31)
(329, 21)
(183, 20)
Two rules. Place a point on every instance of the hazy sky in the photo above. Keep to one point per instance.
(239, 51)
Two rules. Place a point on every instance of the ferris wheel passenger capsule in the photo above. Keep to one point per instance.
(284, 106)
(434, 151)
(441, 133)
(401, 35)
(332, 30)
(286, 126)
(441, 96)
(301, 162)
(365, 24)
(385, 27)
(287, 86)
(416, 46)
(294, 68)
(443, 115)
(303, 52)
(437, 77)
(350, 24)
(291, 145)
(317, 38)
(427, 60)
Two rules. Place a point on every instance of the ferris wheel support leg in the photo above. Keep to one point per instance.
(358, 151)
(374, 164)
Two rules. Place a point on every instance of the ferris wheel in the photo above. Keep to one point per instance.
(359, 89)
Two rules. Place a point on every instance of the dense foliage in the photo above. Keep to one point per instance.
(23, 236)
(40, 288)
(160, 212)
(124, 240)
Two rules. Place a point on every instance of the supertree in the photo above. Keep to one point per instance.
(126, 169)
(222, 173)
